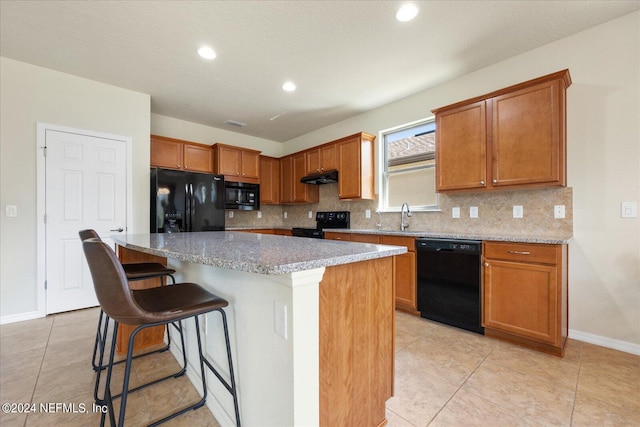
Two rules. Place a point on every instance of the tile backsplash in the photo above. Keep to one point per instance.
(495, 213)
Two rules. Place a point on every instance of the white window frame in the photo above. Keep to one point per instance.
(383, 175)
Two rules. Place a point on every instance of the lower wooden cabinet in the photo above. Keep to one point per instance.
(405, 278)
(404, 267)
(525, 294)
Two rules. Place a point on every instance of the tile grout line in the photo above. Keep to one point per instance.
(44, 354)
(460, 387)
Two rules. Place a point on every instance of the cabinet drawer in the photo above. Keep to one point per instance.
(408, 242)
(535, 253)
(365, 238)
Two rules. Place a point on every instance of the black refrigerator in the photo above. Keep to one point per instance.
(186, 201)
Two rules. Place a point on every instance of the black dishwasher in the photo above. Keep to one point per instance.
(449, 282)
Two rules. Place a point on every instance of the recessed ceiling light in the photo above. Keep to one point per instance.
(407, 12)
(289, 86)
(206, 52)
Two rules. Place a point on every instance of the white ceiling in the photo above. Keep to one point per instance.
(346, 57)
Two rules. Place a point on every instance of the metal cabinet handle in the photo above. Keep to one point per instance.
(495, 181)
(486, 264)
(119, 230)
(520, 252)
(481, 182)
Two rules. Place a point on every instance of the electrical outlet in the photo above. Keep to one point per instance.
(473, 212)
(367, 213)
(455, 212)
(285, 215)
(310, 214)
(558, 211)
(259, 214)
(518, 211)
(230, 214)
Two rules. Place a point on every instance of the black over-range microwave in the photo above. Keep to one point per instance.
(241, 195)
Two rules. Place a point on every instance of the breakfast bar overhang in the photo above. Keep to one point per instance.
(311, 323)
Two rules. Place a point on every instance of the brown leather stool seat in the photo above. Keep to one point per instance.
(147, 308)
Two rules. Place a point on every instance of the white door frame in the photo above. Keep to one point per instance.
(41, 197)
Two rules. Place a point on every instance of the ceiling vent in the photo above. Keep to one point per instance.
(235, 123)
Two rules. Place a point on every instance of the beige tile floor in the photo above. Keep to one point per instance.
(444, 377)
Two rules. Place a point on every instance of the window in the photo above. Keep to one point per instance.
(408, 166)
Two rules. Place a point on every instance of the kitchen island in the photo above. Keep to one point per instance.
(311, 323)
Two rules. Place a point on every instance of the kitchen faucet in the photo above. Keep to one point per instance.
(404, 225)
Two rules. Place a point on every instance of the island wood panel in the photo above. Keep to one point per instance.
(149, 336)
(357, 330)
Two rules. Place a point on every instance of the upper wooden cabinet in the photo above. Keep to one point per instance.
(236, 164)
(511, 138)
(355, 167)
(177, 154)
(269, 180)
(292, 168)
(321, 159)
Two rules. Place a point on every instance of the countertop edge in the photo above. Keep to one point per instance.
(554, 240)
(381, 251)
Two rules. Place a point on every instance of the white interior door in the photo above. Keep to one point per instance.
(85, 187)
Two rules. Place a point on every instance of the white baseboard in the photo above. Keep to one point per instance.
(625, 346)
(12, 318)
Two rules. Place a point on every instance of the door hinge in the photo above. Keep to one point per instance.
(45, 284)
(44, 150)
(45, 218)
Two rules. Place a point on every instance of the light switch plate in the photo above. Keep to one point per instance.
(310, 214)
(473, 212)
(518, 211)
(10, 211)
(455, 212)
(259, 214)
(627, 210)
(285, 215)
(230, 214)
(367, 213)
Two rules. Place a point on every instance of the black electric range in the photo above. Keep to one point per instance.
(339, 219)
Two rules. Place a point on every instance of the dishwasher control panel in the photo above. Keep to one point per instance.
(448, 245)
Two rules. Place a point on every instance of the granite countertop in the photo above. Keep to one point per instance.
(522, 238)
(255, 253)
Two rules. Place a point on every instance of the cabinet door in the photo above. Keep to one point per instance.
(526, 137)
(166, 154)
(313, 161)
(302, 193)
(405, 280)
(229, 161)
(197, 158)
(250, 162)
(461, 153)
(269, 180)
(328, 157)
(286, 180)
(522, 299)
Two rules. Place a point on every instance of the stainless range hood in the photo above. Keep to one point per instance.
(320, 178)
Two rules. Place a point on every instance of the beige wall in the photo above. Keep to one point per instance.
(32, 94)
(194, 132)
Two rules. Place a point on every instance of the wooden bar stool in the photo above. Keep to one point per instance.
(147, 308)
